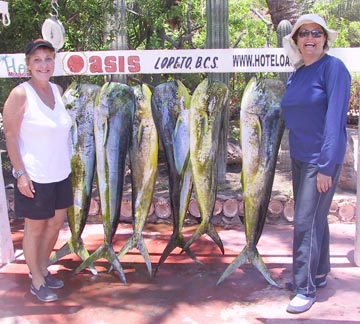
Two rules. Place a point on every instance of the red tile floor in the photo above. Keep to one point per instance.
(182, 291)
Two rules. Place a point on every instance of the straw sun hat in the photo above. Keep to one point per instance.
(291, 48)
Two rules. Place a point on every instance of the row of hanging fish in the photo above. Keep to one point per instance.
(115, 119)
(109, 122)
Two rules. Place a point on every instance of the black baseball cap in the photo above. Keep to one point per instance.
(33, 45)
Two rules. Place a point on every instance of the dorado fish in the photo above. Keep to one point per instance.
(206, 111)
(143, 160)
(261, 127)
(170, 107)
(79, 100)
(113, 120)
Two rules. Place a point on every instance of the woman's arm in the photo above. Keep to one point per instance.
(13, 113)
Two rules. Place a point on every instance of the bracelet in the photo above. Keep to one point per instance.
(18, 173)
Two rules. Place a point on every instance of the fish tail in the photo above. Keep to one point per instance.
(91, 259)
(141, 246)
(248, 255)
(105, 251)
(138, 242)
(208, 229)
(115, 263)
(64, 250)
(83, 253)
(73, 246)
(260, 265)
(176, 240)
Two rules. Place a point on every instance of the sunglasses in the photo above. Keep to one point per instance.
(314, 33)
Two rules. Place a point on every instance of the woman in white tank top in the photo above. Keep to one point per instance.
(37, 126)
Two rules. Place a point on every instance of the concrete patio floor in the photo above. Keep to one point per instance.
(182, 291)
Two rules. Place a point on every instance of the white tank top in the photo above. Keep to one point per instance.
(44, 138)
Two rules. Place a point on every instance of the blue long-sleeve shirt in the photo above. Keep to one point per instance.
(315, 106)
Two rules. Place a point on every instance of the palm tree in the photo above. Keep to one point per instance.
(283, 10)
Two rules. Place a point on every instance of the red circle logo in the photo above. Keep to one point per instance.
(75, 63)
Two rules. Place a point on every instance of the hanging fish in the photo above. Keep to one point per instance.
(170, 107)
(206, 115)
(113, 120)
(144, 161)
(79, 100)
(261, 127)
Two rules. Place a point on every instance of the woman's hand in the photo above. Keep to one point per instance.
(25, 186)
(324, 182)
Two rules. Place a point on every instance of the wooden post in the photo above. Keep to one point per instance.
(357, 230)
(6, 244)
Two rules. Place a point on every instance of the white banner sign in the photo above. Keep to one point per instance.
(170, 61)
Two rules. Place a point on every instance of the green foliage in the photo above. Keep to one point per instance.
(84, 22)
(246, 29)
(331, 11)
(162, 24)
(354, 34)
(354, 105)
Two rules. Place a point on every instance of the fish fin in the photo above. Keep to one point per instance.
(106, 131)
(74, 133)
(140, 133)
(185, 166)
(178, 122)
(258, 129)
(175, 150)
(186, 186)
(204, 124)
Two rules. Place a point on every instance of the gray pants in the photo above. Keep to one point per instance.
(311, 241)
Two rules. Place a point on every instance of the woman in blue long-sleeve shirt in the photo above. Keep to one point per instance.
(315, 107)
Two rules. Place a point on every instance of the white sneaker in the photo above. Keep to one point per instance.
(300, 303)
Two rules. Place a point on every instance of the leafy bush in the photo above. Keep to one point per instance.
(353, 113)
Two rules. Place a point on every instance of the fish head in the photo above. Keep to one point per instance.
(142, 95)
(206, 114)
(164, 104)
(71, 99)
(262, 95)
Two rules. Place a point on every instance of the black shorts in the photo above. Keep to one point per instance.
(48, 198)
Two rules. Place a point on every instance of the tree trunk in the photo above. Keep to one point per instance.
(286, 9)
(217, 12)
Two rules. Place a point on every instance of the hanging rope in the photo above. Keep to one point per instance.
(4, 12)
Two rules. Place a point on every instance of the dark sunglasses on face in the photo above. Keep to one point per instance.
(314, 33)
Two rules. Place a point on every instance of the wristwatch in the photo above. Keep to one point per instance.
(18, 173)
